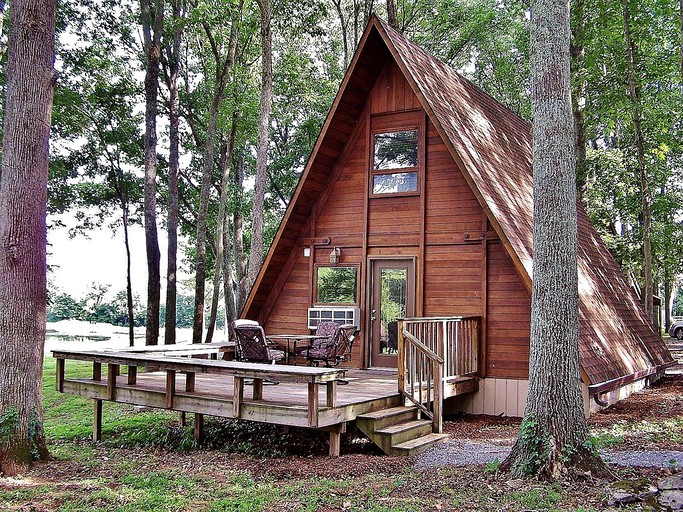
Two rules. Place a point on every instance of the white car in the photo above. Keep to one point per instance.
(676, 329)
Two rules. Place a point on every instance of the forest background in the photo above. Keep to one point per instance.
(229, 182)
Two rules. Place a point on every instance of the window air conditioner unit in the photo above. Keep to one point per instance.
(340, 314)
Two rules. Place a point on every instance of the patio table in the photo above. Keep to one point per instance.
(292, 340)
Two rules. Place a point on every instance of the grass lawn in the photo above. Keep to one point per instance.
(147, 462)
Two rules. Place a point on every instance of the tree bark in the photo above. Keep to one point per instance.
(554, 430)
(129, 284)
(392, 15)
(238, 227)
(343, 24)
(256, 250)
(578, 54)
(647, 291)
(223, 68)
(152, 23)
(173, 55)
(226, 162)
(23, 239)
(228, 281)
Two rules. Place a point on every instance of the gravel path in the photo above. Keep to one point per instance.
(460, 453)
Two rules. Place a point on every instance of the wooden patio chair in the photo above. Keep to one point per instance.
(334, 345)
(252, 345)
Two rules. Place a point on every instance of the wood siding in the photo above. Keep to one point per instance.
(508, 325)
(461, 267)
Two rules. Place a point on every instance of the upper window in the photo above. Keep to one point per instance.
(395, 162)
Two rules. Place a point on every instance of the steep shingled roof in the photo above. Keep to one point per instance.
(492, 146)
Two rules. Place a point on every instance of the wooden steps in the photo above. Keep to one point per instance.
(398, 431)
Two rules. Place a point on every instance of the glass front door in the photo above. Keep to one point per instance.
(393, 296)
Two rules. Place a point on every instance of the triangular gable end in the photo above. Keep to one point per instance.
(491, 146)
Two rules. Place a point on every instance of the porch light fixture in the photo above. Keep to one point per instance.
(307, 252)
(335, 255)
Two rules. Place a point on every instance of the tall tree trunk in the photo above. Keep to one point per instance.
(647, 291)
(256, 250)
(173, 55)
(228, 281)
(152, 23)
(578, 54)
(392, 15)
(343, 24)
(226, 161)
(129, 284)
(23, 238)
(238, 227)
(223, 68)
(554, 428)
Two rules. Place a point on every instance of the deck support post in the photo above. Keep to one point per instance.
(170, 388)
(97, 421)
(132, 375)
(97, 371)
(198, 426)
(60, 375)
(331, 394)
(112, 372)
(182, 419)
(257, 391)
(313, 405)
(189, 382)
(335, 440)
(238, 395)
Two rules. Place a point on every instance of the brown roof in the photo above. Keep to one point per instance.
(493, 148)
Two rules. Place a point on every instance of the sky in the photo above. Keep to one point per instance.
(77, 263)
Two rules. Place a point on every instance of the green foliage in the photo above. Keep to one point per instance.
(94, 307)
(492, 467)
(8, 425)
(535, 444)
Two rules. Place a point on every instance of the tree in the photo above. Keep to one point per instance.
(222, 67)
(554, 431)
(23, 204)
(171, 70)
(256, 251)
(152, 16)
(645, 214)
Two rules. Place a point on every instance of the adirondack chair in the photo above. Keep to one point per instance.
(334, 345)
(251, 344)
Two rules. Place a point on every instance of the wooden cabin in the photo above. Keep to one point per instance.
(417, 203)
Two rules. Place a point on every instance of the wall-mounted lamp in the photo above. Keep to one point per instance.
(335, 255)
(307, 252)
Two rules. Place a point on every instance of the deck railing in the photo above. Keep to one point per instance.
(433, 352)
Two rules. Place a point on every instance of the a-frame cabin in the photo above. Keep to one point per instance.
(417, 202)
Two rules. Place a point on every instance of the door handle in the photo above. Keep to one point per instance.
(372, 318)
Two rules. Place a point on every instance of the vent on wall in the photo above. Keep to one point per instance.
(341, 315)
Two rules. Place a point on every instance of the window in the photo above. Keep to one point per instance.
(336, 285)
(395, 162)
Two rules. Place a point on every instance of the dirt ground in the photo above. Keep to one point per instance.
(662, 401)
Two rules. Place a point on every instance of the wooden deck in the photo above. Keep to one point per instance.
(321, 398)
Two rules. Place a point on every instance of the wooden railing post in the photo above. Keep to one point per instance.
(401, 357)
(437, 421)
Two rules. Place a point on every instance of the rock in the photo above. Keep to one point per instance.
(671, 500)
(630, 491)
(515, 484)
(674, 482)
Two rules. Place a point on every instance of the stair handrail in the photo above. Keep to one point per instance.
(428, 375)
